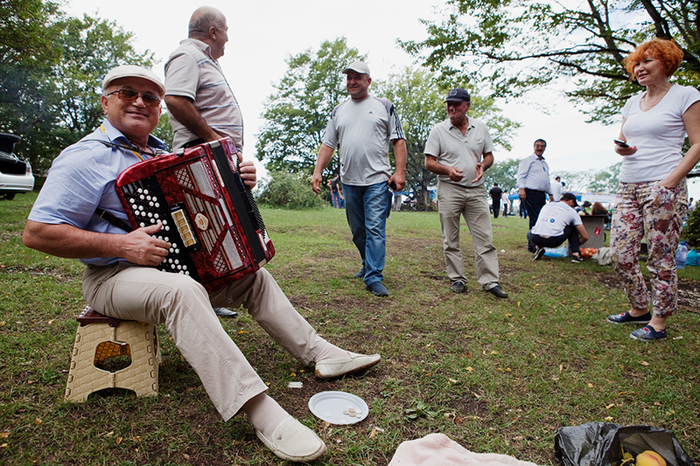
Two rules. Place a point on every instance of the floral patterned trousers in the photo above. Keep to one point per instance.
(649, 210)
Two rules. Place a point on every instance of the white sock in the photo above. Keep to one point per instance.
(265, 414)
(330, 351)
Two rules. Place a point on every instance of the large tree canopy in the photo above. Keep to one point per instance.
(51, 67)
(516, 45)
(297, 113)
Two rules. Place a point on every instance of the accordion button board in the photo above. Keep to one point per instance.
(208, 216)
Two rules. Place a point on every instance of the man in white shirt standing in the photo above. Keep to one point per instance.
(533, 183)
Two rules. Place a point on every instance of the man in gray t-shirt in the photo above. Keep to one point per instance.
(363, 127)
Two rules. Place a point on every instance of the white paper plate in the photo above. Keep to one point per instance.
(338, 407)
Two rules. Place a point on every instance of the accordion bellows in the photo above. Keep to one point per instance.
(209, 217)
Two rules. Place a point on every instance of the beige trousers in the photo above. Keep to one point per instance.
(455, 201)
(142, 293)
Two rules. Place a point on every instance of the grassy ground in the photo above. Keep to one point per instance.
(495, 375)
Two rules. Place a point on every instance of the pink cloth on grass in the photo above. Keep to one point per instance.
(439, 450)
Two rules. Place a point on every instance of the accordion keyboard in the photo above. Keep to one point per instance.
(148, 205)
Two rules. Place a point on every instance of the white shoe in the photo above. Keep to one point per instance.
(293, 441)
(331, 368)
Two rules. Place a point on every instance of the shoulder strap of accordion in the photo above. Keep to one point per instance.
(108, 217)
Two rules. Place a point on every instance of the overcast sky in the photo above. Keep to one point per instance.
(263, 34)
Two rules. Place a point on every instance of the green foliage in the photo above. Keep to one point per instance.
(297, 113)
(512, 46)
(50, 80)
(164, 130)
(606, 181)
(421, 410)
(504, 173)
(289, 191)
(691, 232)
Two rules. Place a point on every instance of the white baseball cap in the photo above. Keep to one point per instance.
(132, 71)
(358, 67)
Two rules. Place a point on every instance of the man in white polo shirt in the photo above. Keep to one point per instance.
(459, 150)
(557, 222)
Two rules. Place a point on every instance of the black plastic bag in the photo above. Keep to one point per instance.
(600, 444)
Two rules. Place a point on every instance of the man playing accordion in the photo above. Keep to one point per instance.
(121, 280)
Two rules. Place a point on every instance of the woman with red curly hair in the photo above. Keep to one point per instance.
(652, 197)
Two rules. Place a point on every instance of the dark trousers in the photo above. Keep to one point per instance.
(570, 233)
(496, 207)
(534, 201)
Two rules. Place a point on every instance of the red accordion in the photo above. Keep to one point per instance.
(209, 217)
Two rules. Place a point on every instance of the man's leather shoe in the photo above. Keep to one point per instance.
(377, 289)
(223, 312)
(332, 368)
(293, 441)
(458, 287)
(498, 292)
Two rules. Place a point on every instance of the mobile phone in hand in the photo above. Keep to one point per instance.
(621, 143)
(392, 186)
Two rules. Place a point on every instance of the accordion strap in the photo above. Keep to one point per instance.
(108, 217)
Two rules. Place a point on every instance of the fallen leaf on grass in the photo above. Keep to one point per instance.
(610, 406)
(4, 434)
(644, 363)
(590, 385)
(470, 369)
(241, 332)
(609, 418)
(119, 440)
(37, 421)
(518, 438)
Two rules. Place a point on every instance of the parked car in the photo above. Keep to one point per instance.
(15, 174)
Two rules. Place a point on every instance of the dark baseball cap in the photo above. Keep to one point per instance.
(458, 95)
(569, 197)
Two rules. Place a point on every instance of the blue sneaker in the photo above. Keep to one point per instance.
(626, 318)
(377, 289)
(647, 334)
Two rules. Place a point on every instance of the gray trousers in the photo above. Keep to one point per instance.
(145, 294)
(471, 203)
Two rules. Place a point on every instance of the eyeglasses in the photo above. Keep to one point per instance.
(129, 95)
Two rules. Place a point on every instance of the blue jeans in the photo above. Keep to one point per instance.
(365, 208)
